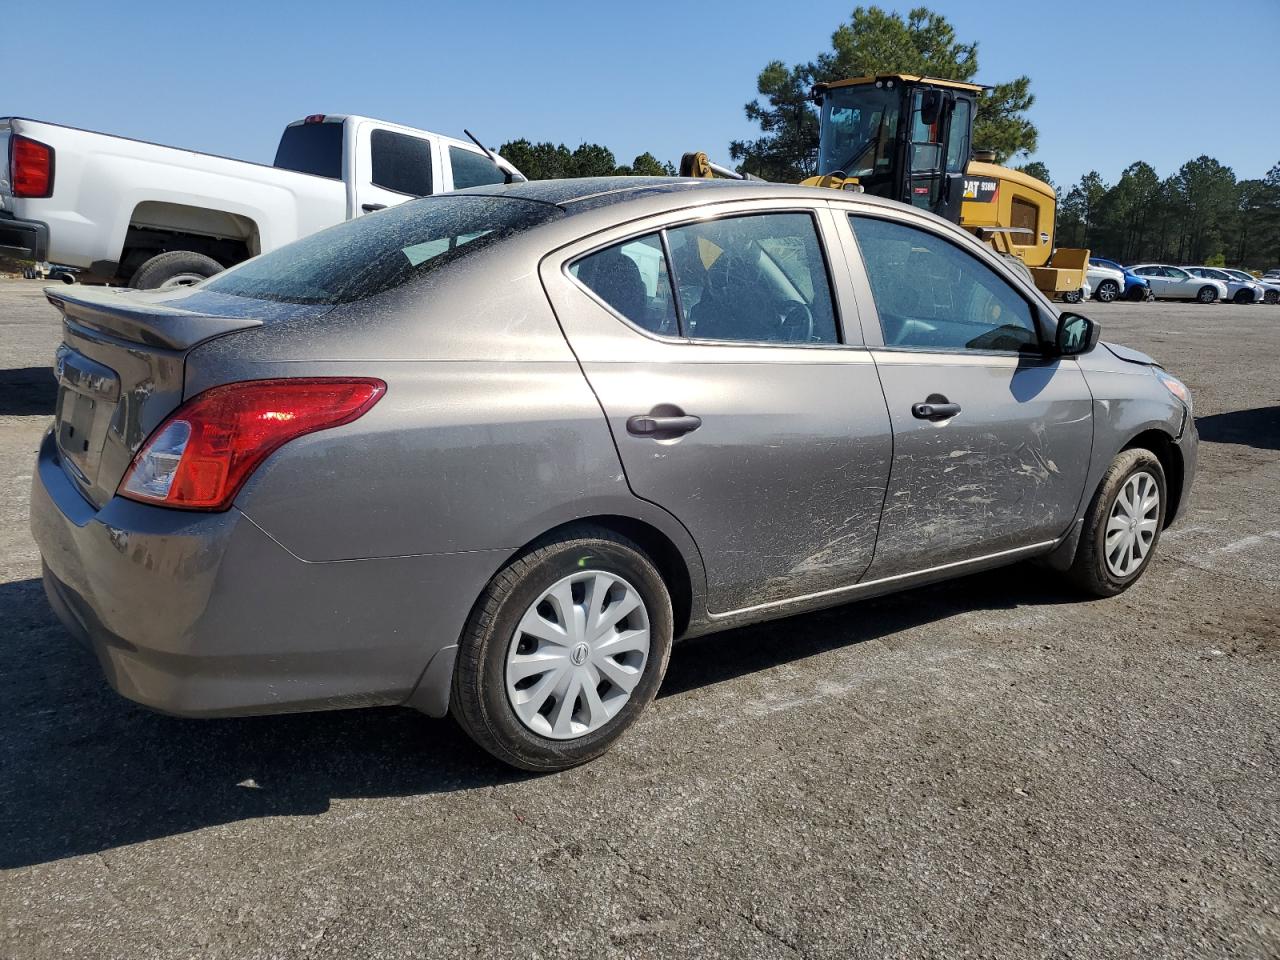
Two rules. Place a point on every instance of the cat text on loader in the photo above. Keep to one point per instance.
(910, 139)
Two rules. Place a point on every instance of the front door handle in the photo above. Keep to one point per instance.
(371, 207)
(662, 428)
(935, 408)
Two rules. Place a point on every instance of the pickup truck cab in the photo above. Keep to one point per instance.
(127, 211)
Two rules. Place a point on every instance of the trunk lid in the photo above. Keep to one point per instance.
(120, 371)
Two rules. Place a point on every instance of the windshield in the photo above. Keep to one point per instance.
(859, 124)
(370, 254)
(1240, 275)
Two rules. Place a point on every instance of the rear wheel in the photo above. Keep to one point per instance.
(1107, 291)
(176, 268)
(564, 649)
(1271, 296)
(1073, 296)
(1122, 525)
(1207, 295)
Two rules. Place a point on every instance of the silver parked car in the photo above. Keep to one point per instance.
(490, 453)
(1174, 283)
(1270, 288)
(1238, 291)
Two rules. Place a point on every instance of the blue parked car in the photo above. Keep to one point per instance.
(1135, 287)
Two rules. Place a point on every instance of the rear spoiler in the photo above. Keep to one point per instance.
(125, 315)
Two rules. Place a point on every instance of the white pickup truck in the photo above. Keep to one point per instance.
(126, 211)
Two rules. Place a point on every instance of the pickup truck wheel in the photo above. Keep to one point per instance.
(1122, 526)
(176, 268)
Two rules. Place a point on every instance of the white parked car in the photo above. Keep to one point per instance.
(1270, 287)
(1247, 290)
(125, 211)
(1107, 283)
(1174, 283)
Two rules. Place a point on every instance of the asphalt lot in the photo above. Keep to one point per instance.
(987, 768)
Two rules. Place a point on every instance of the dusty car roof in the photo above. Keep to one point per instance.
(590, 193)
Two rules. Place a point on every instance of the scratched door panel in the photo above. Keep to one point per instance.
(1007, 471)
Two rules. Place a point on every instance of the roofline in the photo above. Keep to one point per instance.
(904, 78)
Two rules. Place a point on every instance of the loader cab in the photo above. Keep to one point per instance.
(904, 138)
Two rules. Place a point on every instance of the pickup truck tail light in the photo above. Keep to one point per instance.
(200, 457)
(30, 167)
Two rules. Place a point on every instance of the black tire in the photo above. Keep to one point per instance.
(174, 268)
(1271, 296)
(479, 697)
(1137, 294)
(1243, 296)
(1207, 295)
(1073, 296)
(1089, 570)
(1107, 291)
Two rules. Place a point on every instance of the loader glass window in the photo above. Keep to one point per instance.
(757, 279)
(958, 147)
(632, 278)
(401, 163)
(931, 295)
(859, 127)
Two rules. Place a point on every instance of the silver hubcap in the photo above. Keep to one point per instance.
(577, 655)
(1131, 528)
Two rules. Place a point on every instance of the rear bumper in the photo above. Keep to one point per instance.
(202, 614)
(23, 239)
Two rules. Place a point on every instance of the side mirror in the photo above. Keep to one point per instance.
(1076, 335)
(931, 106)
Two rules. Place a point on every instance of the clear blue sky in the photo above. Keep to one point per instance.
(1164, 80)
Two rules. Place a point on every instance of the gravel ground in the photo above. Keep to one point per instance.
(987, 768)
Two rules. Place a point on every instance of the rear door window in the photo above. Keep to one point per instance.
(472, 169)
(759, 278)
(632, 278)
(400, 162)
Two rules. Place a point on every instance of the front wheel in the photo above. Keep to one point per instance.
(1243, 296)
(1207, 295)
(1073, 296)
(564, 649)
(1122, 525)
(1107, 291)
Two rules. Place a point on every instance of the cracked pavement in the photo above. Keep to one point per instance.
(986, 768)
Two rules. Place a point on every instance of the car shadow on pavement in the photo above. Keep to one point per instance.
(27, 392)
(86, 770)
(1259, 427)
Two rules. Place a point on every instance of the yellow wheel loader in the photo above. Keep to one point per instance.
(910, 139)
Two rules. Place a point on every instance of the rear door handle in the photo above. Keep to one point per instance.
(935, 410)
(662, 428)
(371, 207)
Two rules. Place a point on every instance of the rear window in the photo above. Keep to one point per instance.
(370, 254)
(314, 148)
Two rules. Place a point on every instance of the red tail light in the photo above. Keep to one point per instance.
(200, 457)
(30, 167)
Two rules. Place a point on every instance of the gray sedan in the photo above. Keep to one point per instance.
(491, 453)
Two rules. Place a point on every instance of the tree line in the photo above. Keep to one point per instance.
(1200, 215)
(550, 161)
